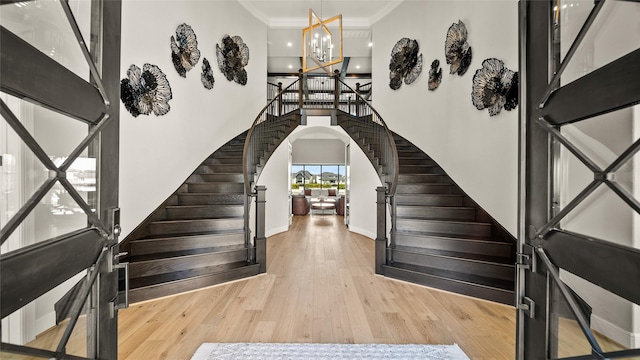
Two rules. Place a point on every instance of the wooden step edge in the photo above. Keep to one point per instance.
(461, 222)
(460, 256)
(452, 238)
(179, 286)
(185, 254)
(500, 295)
(204, 206)
(168, 222)
(437, 207)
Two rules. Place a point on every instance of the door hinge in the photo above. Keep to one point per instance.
(526, 260)
(528, 306)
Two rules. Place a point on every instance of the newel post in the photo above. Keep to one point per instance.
(260, 242)
(381, 229)
(336, 88)
(279, 98)
(357, 99)
(300, 88)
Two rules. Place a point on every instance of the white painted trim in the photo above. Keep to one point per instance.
(615, 333)
(385, 11)
(255, 12)
(362, 232)
(277, 230)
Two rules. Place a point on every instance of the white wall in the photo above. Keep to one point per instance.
(275, 176)
(362, 193)
(158, 153)
(478, 151)
(318, 151)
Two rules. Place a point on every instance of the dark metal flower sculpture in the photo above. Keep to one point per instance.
(495, 87)
(184, 49)
(233, 56)
(405, 63)
(456, 49)
(207, 74)
(146, 90)
(435, 75)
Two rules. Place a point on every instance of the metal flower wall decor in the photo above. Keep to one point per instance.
(184, 49)
(207, 75)
(495, 87)
(233, 56)
(145, 91)
(456, 49)
(405, 63)
(435, 75)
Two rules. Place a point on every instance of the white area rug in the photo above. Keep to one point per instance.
(264, 351)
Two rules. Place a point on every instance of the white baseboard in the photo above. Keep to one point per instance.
(278, 230)
(362, 232)
(614, 332)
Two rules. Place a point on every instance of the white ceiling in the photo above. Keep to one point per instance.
(286, 19)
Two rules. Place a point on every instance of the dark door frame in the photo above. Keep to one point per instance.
(543, 247)
(29, 272)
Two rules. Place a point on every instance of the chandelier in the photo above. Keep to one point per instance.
(321, 43)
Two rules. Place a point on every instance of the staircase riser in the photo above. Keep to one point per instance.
(496, 271)
(416, 161)
(175, 287)
(444, 227)
(421, 178)
(164, 266)
(230, 153)
(212, 169)
(216, 211)
(498, 295)
(419, 169)
(433, 200)
(221, 199)
(196, 226)
(426, 212)
(224, 160)
(218, 178)
(459, 245)
(216, 188)
(162, 245)
(424, 189)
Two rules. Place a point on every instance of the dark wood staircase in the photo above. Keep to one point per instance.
(441, 238)
(196, 238)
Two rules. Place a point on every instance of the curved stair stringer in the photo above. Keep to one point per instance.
(444, 239)
(196, 237)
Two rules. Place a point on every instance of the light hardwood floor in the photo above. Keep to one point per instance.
(319, 287)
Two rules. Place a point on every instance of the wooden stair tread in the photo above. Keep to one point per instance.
(470, 279)
(174, 277)
(487, 259)
(445, 235)
(184, 253)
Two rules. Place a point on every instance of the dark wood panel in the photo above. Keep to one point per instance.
(613, 86)
(32, 271)
(45, 81)
(616, 267)
(461, 287)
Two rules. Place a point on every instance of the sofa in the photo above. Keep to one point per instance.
(324, 196)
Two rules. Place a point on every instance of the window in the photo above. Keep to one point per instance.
(309, 176)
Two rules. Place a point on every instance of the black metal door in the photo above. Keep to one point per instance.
(59, 101)
(579, 223)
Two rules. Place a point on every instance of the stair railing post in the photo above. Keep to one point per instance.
(260, 242)
(381, 236)
(357, 99)
(279, 98)
(336, 88)
(300, 88)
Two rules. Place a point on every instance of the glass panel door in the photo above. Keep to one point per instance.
(58, 173)
(579, 258)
